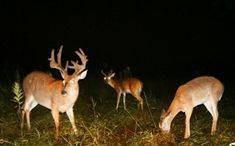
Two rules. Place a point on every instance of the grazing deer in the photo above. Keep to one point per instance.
(57, 95)
(122, 87)
(201, 90)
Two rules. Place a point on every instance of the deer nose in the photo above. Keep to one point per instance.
(64, 93)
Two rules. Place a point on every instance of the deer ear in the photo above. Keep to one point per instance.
(82, 75)
(113, 74)
(163, 113)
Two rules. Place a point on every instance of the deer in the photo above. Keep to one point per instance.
(129, 85)
(206, 90)
(57, 95)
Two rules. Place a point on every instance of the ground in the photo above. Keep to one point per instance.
(100, 124)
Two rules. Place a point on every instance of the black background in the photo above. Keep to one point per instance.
(177, 38)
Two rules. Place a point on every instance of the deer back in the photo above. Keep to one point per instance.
(131, 85)
(197, 91)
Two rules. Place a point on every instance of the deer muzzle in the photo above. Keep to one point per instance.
(64, 92)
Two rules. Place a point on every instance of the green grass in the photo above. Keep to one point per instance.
(99, 124)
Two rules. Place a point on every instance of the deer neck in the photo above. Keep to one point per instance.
(73, 91)
(173, 110)
(69, 98)
(114, 83)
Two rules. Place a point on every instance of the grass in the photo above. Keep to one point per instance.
(99, 124)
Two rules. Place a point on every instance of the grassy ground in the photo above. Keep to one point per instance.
(100, 124)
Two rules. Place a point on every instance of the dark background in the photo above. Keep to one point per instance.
(172, 38)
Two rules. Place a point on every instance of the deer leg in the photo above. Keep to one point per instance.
(124, 100)
(140, 100)
(141, 103)
(70, 114)
(212, 108)
(118, 99)
(28, 119)
(215, 119)
(22, 119)
(188, 114)
(28, 106)
(55, 115)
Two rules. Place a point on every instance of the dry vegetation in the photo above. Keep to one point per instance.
(99, 124)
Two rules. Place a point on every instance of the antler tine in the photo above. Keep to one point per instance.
(59, 55)
(57, 65)
(79, 68)
(82, 56)
(66, 66)
(111, 72)
(52, 55)
(52, 59)
(102, 72)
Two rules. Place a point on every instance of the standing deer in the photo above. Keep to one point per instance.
(57, 95)
(122, 87)
(201, 90)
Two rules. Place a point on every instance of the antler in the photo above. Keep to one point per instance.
(110, 72)
(77, 67)
(102, 72)
(57, 65)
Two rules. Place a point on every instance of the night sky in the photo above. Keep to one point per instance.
(162, 37)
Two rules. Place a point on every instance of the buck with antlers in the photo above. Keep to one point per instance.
(57, 95)
(201, 90)
(128, 85)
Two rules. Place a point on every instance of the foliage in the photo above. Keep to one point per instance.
(17, 98)
(99, 124)
(18, 94)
